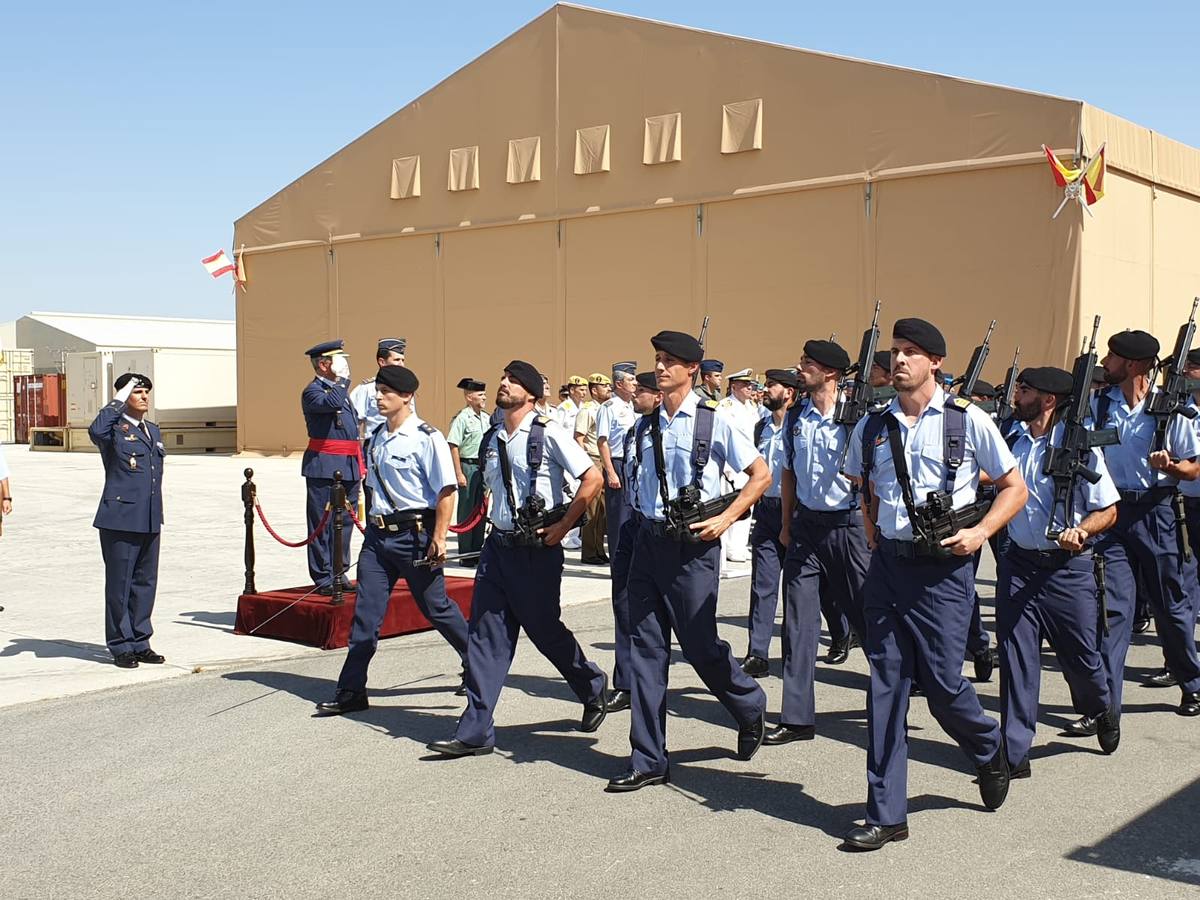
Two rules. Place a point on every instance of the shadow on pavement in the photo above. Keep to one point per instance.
(1159, 842)
(97, 653)
(203, 618)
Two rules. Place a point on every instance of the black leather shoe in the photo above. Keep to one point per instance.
(125, 661)
(325, 590)
(1084, 726)
(633, 780)
(343, 702)
(750, 738)
(1108, 731)
(455, 747)
(1190, 704)
(985, 664)
(785, 734)
(595, 710)
(993, 780)
(915, 690)
(595, 561)
(755, 666)
(1141, 626)
(149, 656)
(618, 701)
(872, 837)
(838, 653)
(461, 690)
(1161, 678)
(1021, 770)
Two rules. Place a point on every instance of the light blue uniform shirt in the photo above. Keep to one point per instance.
(560, 453)
(770, 448)
(1128, 461)
(414, 467)
(1028, 528)
(985, 449)
(728, 446)
(612, 422)
(1187, 488)
(818, 448)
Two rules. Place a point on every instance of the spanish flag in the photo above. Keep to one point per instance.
(1063, 175)
(1093, 177)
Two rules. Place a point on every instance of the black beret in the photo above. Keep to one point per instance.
(1047, 379)
(526, 375)
(398, 378)
(141, 381)
(924, 334)
(647, 380)
(1193, 357)
(786, 377)
(1134, 344)
(827, 353)
(883, 359)
(680, 345)
(470, 384)
(984, 389)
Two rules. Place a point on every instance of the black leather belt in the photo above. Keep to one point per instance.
(908, 550)
(1147, 497)
(830, 518)
(410, 520)
(1046, 559)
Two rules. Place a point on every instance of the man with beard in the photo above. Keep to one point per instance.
(674, 574)
(1146, 539)
(646, 397)
(519, 581)
(1047, 586)
(766, 555)
(917, 595)
(827, 556)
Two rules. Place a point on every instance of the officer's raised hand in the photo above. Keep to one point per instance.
(124, 391)
(340, 367)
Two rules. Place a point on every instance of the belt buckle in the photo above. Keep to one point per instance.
(377, 521)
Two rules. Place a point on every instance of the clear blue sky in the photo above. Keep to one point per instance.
(135, 133)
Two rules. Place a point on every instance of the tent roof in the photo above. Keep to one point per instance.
(143, 331)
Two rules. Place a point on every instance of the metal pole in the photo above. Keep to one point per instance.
(337, 498)
(249, 496)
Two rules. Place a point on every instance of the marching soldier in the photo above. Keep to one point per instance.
(673, 575)
(710, 380)
(767, 553)
(918, 590)
(129, 519)
(412, 481)
(466, 431)
(390, 352)
(519, 582)
(1048, 587)
(586, 435)
(1146, 540)
(333, 446)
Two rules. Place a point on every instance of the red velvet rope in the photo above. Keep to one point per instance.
(472, 520)
(354, 519)
(304, 543)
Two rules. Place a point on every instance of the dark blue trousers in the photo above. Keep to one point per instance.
(622, 558)
(1145, 541)
(130, 584)
(320, 551)
(387, 557)
(1060, 603)
(618, 510)
(917, 613)
(824, 563)
(515, 588)
(1191, 510)
(766, 566)
(673, 587)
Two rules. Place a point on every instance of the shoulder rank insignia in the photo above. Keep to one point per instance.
(960, 402)
(712, 404)
(542, 420)
(427, 428)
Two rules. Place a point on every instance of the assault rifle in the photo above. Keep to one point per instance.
(1003, 407)
(1172, 397)
(703, 334)
(854, 397)
(966, 382)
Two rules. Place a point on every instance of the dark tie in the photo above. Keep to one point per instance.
(144, 429)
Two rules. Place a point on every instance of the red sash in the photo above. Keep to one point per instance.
(340, 448)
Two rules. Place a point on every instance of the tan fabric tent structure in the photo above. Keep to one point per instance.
(596, 177)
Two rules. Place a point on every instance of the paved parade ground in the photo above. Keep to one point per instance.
(209, 777)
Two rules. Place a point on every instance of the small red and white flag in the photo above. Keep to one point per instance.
(218, 264)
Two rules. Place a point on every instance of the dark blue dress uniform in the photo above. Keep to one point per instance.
(1044, 590)
(766, 552)
(917, 610)
(333, 446)
(130, 520)
(622, 558)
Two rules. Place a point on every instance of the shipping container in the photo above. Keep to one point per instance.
(89, 386)
(40, 401)
(191, 387)
(12, 363)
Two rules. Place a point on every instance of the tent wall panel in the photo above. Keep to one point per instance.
(1118, 254)
(1176, 259)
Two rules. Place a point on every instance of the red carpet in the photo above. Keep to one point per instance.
(314, 621)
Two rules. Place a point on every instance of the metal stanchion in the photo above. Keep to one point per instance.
(248, 500)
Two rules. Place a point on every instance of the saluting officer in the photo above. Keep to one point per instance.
(466, 431)
(1048, 587)
(333, 446)
(517, 585)
(673, 581)
(917, 600)
(1146, 540)
(766, 552)
(646, 397)
(390, 352)
(130, 518)
(412, 486)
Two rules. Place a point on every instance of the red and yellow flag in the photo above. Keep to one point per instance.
(1063, 175)
(1093, 178)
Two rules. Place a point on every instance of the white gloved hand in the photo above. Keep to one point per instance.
(123, 394)
(341, 366)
